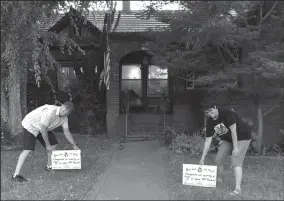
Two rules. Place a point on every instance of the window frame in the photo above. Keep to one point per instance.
(123, 79)
(190, 77)
(148, 79)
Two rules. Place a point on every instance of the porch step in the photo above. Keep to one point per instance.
(146, 119)
(148, 124)
(146, 135)
(146, 128)
(131, 138)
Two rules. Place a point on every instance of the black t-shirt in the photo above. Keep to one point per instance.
(221, 126)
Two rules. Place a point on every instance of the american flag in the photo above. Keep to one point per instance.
(106, 57)
(106, 68)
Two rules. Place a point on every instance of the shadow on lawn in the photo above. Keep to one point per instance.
(97, 152)
(262, 180)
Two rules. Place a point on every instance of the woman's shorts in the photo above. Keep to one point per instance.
(226, 149)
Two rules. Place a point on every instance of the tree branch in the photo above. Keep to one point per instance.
(221, 55)
(260, 11)
(117, 21)
(229, 51)
(268, 13)
(272, 107)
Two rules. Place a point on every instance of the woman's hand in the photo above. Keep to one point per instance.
(236, 152)
(75, 147)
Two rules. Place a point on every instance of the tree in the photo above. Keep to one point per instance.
(92, 89)
(25, 47)
(225, 47)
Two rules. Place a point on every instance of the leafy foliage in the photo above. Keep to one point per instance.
(210, 44)
(179, 140)
(231, 46)
(24, 44)
(25, 47)
(92, 88)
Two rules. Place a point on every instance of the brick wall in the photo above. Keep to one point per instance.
(115, 123)
(113, 98)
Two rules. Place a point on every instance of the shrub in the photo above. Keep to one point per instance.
(271, 150)
(181, 141)
(171, 133)
(267, 150)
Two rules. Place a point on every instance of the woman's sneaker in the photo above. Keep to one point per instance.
(18, 178)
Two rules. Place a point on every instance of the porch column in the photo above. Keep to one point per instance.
(144, 73)
(112, 98)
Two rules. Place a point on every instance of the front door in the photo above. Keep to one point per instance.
(144, 93)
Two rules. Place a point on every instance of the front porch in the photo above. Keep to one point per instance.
(143, 99)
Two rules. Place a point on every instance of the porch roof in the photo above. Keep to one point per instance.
(132, 21)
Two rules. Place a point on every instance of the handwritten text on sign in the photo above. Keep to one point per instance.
(66, 159)
(197, 175)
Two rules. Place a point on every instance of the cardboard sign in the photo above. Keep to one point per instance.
(66, 159)
(199, 175)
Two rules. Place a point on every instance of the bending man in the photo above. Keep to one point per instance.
(37, 125)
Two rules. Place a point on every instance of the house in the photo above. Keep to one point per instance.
(137, 86)
(142, 98)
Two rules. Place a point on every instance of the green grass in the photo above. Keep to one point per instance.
(60, 184)
(262, 179)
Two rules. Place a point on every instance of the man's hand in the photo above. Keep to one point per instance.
(75, 147)
(236, 152)
(49, 148)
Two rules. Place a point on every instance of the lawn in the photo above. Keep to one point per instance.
(96, 152)
(262, 179)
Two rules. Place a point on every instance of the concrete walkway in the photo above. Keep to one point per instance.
(136, 173)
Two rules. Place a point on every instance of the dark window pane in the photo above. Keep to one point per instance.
(189, 84)
(67, 77)
(133, 87)
(131, 72)
(157, 87)
(157, 73)
(67, 71)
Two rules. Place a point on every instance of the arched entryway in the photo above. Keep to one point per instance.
(144, 94)
(142, 84)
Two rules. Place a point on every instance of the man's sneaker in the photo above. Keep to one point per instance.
(49, 169)
(18, 178)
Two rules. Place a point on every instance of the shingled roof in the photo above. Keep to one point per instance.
(132, 21)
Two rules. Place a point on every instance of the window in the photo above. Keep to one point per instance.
(157, 81)
(189, 81)
(131, 80)
(67, 77)
(131, 88)
(67, 71)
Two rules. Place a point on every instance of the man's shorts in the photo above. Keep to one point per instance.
(29, 140)
(226, 149)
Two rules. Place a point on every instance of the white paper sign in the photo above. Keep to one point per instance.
(66, 159)
(199, 175)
